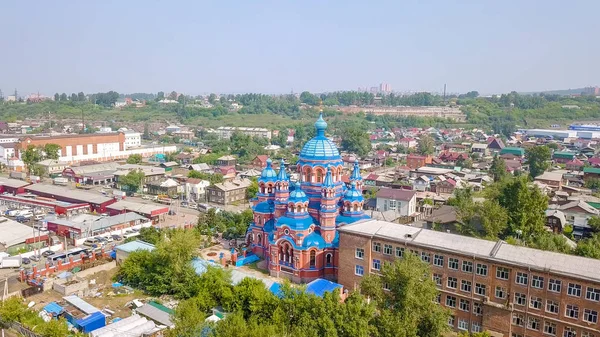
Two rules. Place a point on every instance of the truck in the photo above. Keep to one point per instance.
(61, 181)
(10, 262)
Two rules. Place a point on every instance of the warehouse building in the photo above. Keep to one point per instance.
(96, 201)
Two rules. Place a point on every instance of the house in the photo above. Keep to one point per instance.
(448, 156)
(574, 165)
(551, 179)
(404, 202)
(563, 156)
(228, 192)
(515, 151)
(202, 167)
(422, 183)
(445, 186)
(371, 179)
(50, 167)
(578, 209)
(594, 161)
(185, 158)
(251, 173)
(228, 172)
(495, 144)
(260, 161)
(444, 217)
(556, 220)
(123, 251)
(195, 189)
(226, 161)
(481, 149)
(407, 142)
(591, 173)
(167, 186)
(9, 150)
(415, 161)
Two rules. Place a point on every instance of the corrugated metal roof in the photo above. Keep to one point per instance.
(13, 232)
(64, 192)
(155, 314)
(320, 286)
(81, 304)
(135, 245)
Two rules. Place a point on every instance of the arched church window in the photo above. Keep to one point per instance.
(319, 176)
(298, 208)
(313, 258)
(259, 239)
(328, 259)
(355, 207)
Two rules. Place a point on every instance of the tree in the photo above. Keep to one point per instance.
(31, 156)
(537, 158)
(214, 178)
(498, 168)
(56, 97)
(134, 159)
(308, 98)
(146, 134)
(81, 96)
(525, 205)
(356, 140)
(589, 247)
(594, 223)
(212, 98)
(160, 96)
(133, 180)
(408, 308)
(252, 189)
(73, 97)
(51, 151)
(426, 145)
(493, 219)
(173, 95)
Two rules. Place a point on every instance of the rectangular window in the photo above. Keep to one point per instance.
(438, 298)
(533, 323)
(549, 328)
(438, 260)
(360, 253)
(437, 278)
(399, 251)
(552, 306)
(554, 285)
(477, 309)
(592, 294)
(387, 249)
(500, 292)
(452, 282)
(482, 269)
(521, 278)
(465, 286)
(574, 289)
(569, 332)
(517, 319)
(537, 282)
(463, 324)
(535, 302)
(502, 273)
(451, 321)
(475, 327)
(520, 299)
(377, 247)
(590, 315)
(453, 263)
(467, 266)
(451, 301)
(464, 305)
(587, 334)
(376, 264)
(572, 311)
(426, 257)
(480, 289)
(359, 270)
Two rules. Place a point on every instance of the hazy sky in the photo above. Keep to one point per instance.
(278, 46)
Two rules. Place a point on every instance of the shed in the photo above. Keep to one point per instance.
(123, 251)
(155, 314)
(91, 322)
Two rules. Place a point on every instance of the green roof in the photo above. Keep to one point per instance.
(591, 170)
(517, 151)
(596, 205)
(564, 154)
(161, 307)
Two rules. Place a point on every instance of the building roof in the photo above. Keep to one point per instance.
(443, 215)
(500, 251)
(581, 204)
(74, 194)
(320, 286)
(13, 232)
(14, 183)
(51, 162)
(228, 157)
(396, 194)
(88, 169)
(517, 151)
(557, 214)
(155, 314)
(320, 147)
(552, 176)
(479, 146)
(133, 206)
(132, 246)
(232, 185)
(593, 170)
(99, 222)
(134, 325)
(80, 304)
(199, 167)
(564, 154)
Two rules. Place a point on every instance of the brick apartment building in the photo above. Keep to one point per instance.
(490, 286)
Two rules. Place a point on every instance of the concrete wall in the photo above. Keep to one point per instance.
(61, 286)
(97, 269)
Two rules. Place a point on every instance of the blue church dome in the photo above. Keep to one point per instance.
(320, 147)
(314, 239)
(264, 207)
(297, 195)
(268, 174)
(352, 194)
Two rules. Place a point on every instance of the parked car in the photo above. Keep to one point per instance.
(34, 258)
(25, 260)
(39, 217)
(117, 237)
(12, 212)
(47, 253)
(21, 219)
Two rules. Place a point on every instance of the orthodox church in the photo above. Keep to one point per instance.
(295, 224)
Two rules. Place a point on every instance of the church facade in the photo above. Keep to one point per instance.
(295, 224)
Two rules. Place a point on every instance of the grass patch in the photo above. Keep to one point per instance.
(254, 266)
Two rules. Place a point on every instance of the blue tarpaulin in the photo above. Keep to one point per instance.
(320, 286)
(276, 289)
(117, 285)
(91, 322)
(53, 308)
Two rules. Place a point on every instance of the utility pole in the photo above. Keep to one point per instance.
(444, 93)
(16, 95)
(1, 95)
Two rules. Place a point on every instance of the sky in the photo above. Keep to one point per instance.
(198, 47)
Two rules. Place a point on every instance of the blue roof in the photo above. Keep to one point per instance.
(314, 239)
(297, 195)
(356, 172)
(321, 125)
(328, 182)
(53, 308)
(320, 286)
(268, 173)
(92, 322)
(296, 223)
(269, 225)
(352, 194)
(319, 148)
(282, 175)
(135, 245)
(200, 265)
(276, 289)
(264, 207)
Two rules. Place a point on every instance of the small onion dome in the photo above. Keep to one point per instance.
(264, 207)
(282, 175)
(352, 194)
(313, 240)
(328, 182)
(297, 195)
(268, 174)
(356, 172)
(321, 125)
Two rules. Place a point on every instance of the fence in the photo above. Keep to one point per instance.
(18, 327)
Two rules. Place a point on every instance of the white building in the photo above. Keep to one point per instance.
(7, 150)
(225, 132)
(404, 202)
(132, 139)
(195, 189)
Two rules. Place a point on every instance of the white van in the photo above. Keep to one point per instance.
(26, 214)
(13, 212)
(92, 242)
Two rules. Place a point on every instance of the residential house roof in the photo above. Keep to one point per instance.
(593, 170)
(564, 154)
(581, 204)
(551, 176)
(557, 214)
(395, 194)
(517, 151)
(199, 167)
(443, 215)
(135, 245)
(232, 185)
